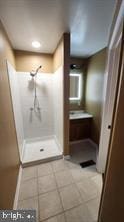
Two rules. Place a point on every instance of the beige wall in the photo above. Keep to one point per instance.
(58, 55)
(94, 91)
(27, 61)
(83, 63)
(9, 155)
(61, 57)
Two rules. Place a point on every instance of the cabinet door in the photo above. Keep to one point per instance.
(72, 133)
(80, 129)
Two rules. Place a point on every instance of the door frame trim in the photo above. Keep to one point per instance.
(119, 15)
(117, 24)
(117, 19)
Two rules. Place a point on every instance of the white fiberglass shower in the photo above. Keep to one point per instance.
(39, 129)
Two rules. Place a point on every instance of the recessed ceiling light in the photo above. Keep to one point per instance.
(36, 44)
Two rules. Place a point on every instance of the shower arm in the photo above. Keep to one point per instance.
(38, 69)
(33, 74)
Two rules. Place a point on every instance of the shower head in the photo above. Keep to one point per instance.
(34, 73)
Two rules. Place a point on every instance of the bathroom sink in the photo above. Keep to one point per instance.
(76, 112)
(79, 114)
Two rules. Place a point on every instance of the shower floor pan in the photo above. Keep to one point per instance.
(40, 151)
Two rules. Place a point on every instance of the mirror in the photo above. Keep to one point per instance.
(75, 87)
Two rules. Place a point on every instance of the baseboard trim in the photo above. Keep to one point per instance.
(94, 144)
(79, 141)
(67, 157)
(17, 189)
(85, 140)
(96, 147)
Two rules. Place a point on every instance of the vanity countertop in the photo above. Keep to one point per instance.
(79, 115)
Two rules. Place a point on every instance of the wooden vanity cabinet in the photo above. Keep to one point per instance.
(80, 129)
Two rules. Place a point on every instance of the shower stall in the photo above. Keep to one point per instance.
(38, 112)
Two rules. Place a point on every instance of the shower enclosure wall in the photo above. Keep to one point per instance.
(39, 131)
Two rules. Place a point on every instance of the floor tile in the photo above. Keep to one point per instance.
(70, 197)
(46, 183)
(87, 189)
(77, 174)
(75, 184)
(44, 169)
(90, 171)
(78, 214)
(28, 189)
(82, 151)
(29, 204)
(63, 178)
(50, 205)
(58, 218)
(59, 165)
(98, 181)
(29, 173)
(72, 165)
(93, 207)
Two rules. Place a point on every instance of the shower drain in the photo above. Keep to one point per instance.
(41, 150)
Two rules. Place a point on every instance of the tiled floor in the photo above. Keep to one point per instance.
(82, 151)
(32, 150)
(61, 191)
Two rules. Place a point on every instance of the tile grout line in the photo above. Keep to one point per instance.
(59, 195)
(53, 173)
(40, 194)
(57, 189)
(74, 182)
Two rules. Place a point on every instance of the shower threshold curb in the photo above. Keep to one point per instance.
(46, 160)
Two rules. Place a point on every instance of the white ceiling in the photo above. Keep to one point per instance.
(46, 20)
